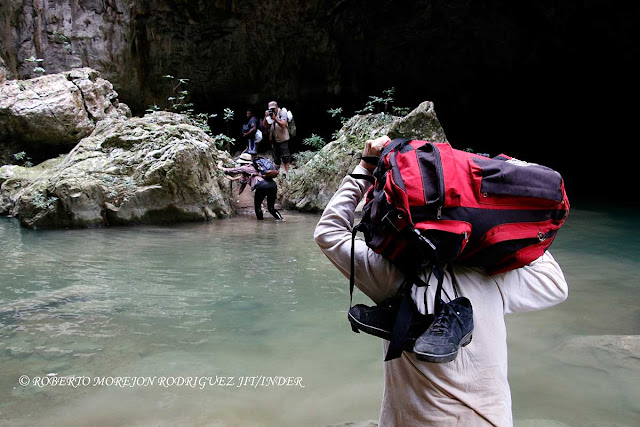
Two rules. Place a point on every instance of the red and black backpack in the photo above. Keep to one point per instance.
(431, 204)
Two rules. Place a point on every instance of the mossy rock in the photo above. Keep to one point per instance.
(312, 184)
(157, 168)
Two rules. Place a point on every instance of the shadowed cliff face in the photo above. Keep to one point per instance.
(504, 76)
(244, 51)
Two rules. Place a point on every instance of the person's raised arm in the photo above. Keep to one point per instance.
(244, 169)
(374, 275)
(265, 123)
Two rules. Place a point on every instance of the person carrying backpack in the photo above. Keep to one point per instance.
(258, 172)
(276, 120)
(471, 389)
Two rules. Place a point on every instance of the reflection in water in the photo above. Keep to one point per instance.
(241, 298)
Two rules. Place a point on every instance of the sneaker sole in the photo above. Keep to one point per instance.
(377, 332)
(443, 358)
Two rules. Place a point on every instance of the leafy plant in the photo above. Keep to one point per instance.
(368, 108)
(202, 121)
(178, 104)
(23, 158)
(228, 117)
(400, 111)
(389, 95)
(37, 62)
(335, 111)
(47, 203)
(179, 96)
(223, 140)
(314, 141)
(228, 114)
(376, 102)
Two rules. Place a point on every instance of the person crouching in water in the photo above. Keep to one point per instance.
(261, 184)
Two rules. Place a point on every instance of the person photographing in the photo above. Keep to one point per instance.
(276, 121)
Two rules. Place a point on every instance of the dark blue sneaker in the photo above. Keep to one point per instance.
(451, 329)
(380, 319)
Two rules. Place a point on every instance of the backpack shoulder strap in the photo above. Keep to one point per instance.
(367, 178)
(395, 143)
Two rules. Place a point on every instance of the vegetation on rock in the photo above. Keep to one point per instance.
(319, 174)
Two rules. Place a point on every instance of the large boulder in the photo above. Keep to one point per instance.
(313, 183)
(56, 109)
(158, 168)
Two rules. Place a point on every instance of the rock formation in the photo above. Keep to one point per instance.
(158, 168)
(312, 184)
(56, 109)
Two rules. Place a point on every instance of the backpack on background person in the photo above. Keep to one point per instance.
(291, 123)
(266, 167)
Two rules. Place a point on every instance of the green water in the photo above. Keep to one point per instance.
(240, 298)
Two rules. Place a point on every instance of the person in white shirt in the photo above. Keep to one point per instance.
(473, 389)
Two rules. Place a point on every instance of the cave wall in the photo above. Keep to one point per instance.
(245, 50)
(504, 76)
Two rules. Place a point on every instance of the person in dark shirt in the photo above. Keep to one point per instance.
(249, 130)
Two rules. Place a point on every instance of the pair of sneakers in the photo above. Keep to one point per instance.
(380, 319)
(433, 338)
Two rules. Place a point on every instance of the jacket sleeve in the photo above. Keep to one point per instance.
(246, 169)
(536, 286)
(374, 275)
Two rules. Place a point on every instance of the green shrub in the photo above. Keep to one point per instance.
(315, 141)
(46, 203)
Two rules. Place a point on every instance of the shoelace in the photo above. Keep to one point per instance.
(440, 324)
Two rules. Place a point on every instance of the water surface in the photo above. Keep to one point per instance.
(242, 298)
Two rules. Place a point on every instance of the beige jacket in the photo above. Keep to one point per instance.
(473, 389)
